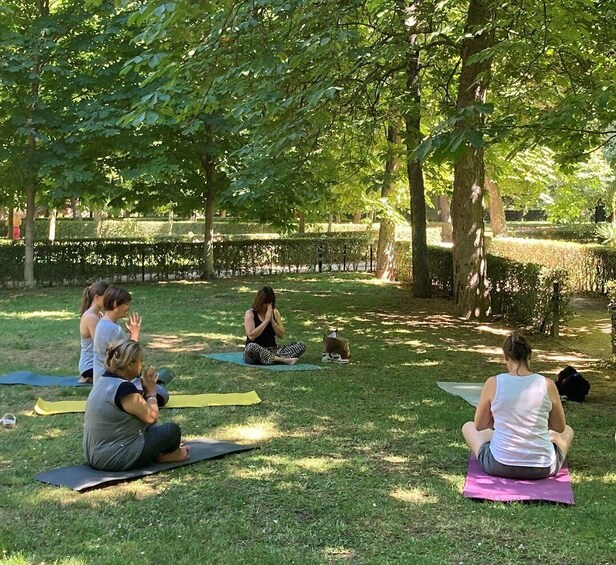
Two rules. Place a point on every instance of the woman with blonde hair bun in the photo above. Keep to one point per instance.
(121, 428)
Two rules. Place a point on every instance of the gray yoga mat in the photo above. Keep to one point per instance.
(468, 391)
(34, 379)
(238, 359)
(84, 477)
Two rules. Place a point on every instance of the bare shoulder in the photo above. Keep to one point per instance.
(489, 387)
(550, 384)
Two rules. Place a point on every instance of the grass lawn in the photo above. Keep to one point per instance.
(361, 463)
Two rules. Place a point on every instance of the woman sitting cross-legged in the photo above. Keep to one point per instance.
(519, 430)
(121, 429)
(263, 324)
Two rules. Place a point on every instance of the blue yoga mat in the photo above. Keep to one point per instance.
(34, 379)
(238, 359)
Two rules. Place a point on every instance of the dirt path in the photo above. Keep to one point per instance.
(589, 330)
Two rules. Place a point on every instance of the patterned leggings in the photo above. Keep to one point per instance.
(255, 354)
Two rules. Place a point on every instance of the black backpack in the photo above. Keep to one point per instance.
(572, 385)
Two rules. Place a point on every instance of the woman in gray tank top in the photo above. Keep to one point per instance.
(519, 431)
(90, 315)
(121, 429)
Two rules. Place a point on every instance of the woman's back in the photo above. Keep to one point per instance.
(521, 408)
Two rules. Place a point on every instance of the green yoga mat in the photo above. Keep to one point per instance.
(237, 358)
(84, 477)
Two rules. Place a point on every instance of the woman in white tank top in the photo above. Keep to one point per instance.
(519, 430)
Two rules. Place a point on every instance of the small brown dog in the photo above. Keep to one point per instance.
(335, 349)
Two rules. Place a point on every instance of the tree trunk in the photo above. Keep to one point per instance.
(30, 209)
(74, 208)
(385, 256)
(223, 214)
(170, 222)
(53, 216)
(469, 258)
(9, 223)
(98, 221)
(357, 217)
(422, 281)
(302, 222)
(330, 223)
(444, 209)
(497, 212)
(209, 167)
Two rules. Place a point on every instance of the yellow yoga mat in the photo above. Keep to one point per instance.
(45, 408)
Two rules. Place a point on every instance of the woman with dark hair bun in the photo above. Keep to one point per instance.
(90, 315)
(263, 324)
(121, 429)
(116, 302)
(519, 431)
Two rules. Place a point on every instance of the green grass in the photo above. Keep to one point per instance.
(361, 463)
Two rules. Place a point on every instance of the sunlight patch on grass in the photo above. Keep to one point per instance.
(50, 433)
(182, 344)
(395, 459)
(413, 496)
(339, 554)
(319, 464)
(423, 364)
(495, 331)
(250, 433)
(38, 314)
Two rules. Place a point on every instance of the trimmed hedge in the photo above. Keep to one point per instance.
(137, 228)
(72, 262)
(521, 292)
(590, 267)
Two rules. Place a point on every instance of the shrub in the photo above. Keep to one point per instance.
(72, 262)
(590, 267)
(520, 292)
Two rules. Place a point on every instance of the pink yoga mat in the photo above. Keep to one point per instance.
(485, 487)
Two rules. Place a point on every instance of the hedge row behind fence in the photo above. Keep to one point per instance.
(590, 267)
(521, 292)
(71, 262)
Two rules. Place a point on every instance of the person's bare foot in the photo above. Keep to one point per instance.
(289, 361)
(182, 453)
(85, 381)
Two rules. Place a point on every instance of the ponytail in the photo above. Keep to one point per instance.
(90, 293)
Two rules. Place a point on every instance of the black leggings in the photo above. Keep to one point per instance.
(159, 438)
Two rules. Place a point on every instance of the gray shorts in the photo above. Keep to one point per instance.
(491, 466)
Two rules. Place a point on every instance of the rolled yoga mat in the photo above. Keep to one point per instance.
(84, 477)
(45, 408)
(237, 358)
(468, 391)
(480, 486)
(34, 379)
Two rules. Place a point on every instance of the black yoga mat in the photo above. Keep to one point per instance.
(84, 477)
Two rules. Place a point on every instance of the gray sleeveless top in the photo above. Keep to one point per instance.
(107, 333)
(86, 358)
(112, 439)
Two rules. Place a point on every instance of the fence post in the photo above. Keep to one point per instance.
(320, 257)
(612, 309)
(344, 253)
(555, 308)
(142, 265)
(371, 257)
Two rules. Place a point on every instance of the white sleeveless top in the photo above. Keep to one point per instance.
(521, 407)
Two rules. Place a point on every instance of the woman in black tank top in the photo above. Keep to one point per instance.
(263, 324)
